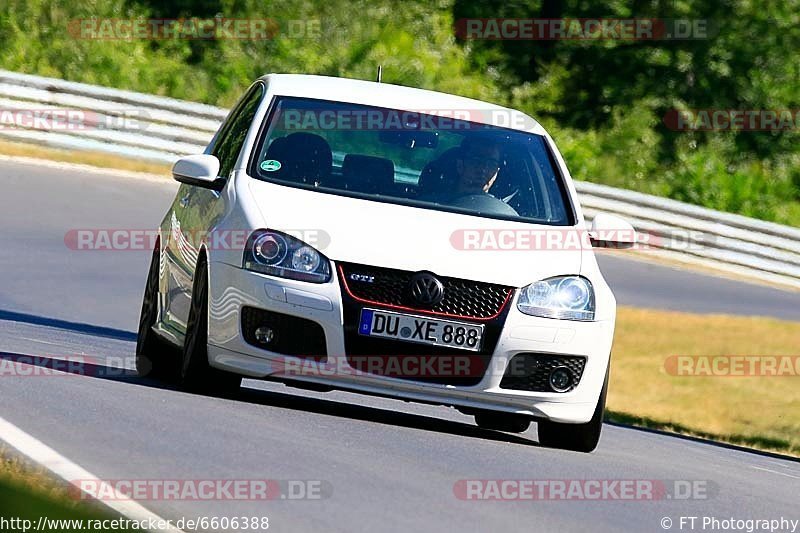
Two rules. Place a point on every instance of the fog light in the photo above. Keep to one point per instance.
(264, 335)
(560, 379)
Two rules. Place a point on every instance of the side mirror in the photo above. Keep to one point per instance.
(611, 231)
(201, 170)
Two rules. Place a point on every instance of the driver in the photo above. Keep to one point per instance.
(474, 170)
(477, 166)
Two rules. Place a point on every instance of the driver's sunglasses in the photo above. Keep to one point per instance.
(483, 162)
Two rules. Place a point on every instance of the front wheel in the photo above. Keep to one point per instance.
(576, 437)
(197, 375)
(154, 356)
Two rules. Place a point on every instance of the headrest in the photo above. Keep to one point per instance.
(368, 174)
(304, 157)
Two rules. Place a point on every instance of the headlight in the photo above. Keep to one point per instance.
(566, 297)
(279, 254)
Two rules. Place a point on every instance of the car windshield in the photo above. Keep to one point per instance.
(428, 160)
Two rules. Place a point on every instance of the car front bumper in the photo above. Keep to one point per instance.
(232, 288)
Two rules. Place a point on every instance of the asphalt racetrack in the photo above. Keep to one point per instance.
(385, 465)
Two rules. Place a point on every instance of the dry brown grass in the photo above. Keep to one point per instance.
(759, 411)
(84, 158)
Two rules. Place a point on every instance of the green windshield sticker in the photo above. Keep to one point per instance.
(270, 165)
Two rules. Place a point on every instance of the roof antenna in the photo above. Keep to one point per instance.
(380, 73)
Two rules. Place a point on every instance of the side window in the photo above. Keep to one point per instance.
(232, 136)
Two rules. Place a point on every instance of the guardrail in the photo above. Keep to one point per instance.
(161, 129)
(118, 122)
(734, 243)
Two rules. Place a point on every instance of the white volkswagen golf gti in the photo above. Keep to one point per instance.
(368, 237)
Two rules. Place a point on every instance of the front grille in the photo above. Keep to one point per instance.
(388, 286)
(292, 335)
(531, 372)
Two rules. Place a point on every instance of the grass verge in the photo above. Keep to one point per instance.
(760, 412)
(28, 492)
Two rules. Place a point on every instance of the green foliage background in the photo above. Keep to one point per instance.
(603, 101)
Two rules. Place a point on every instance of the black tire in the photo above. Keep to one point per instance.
(196, 374)
(155, 357)
(576, 437)
(508, 423)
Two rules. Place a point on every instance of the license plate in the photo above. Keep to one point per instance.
(420, 329)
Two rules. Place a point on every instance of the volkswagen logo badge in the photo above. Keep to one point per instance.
(426, 289)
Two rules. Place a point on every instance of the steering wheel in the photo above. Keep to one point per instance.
(484, 203)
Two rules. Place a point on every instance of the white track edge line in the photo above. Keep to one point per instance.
(42, 454)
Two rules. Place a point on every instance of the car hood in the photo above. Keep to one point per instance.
(409, 238)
